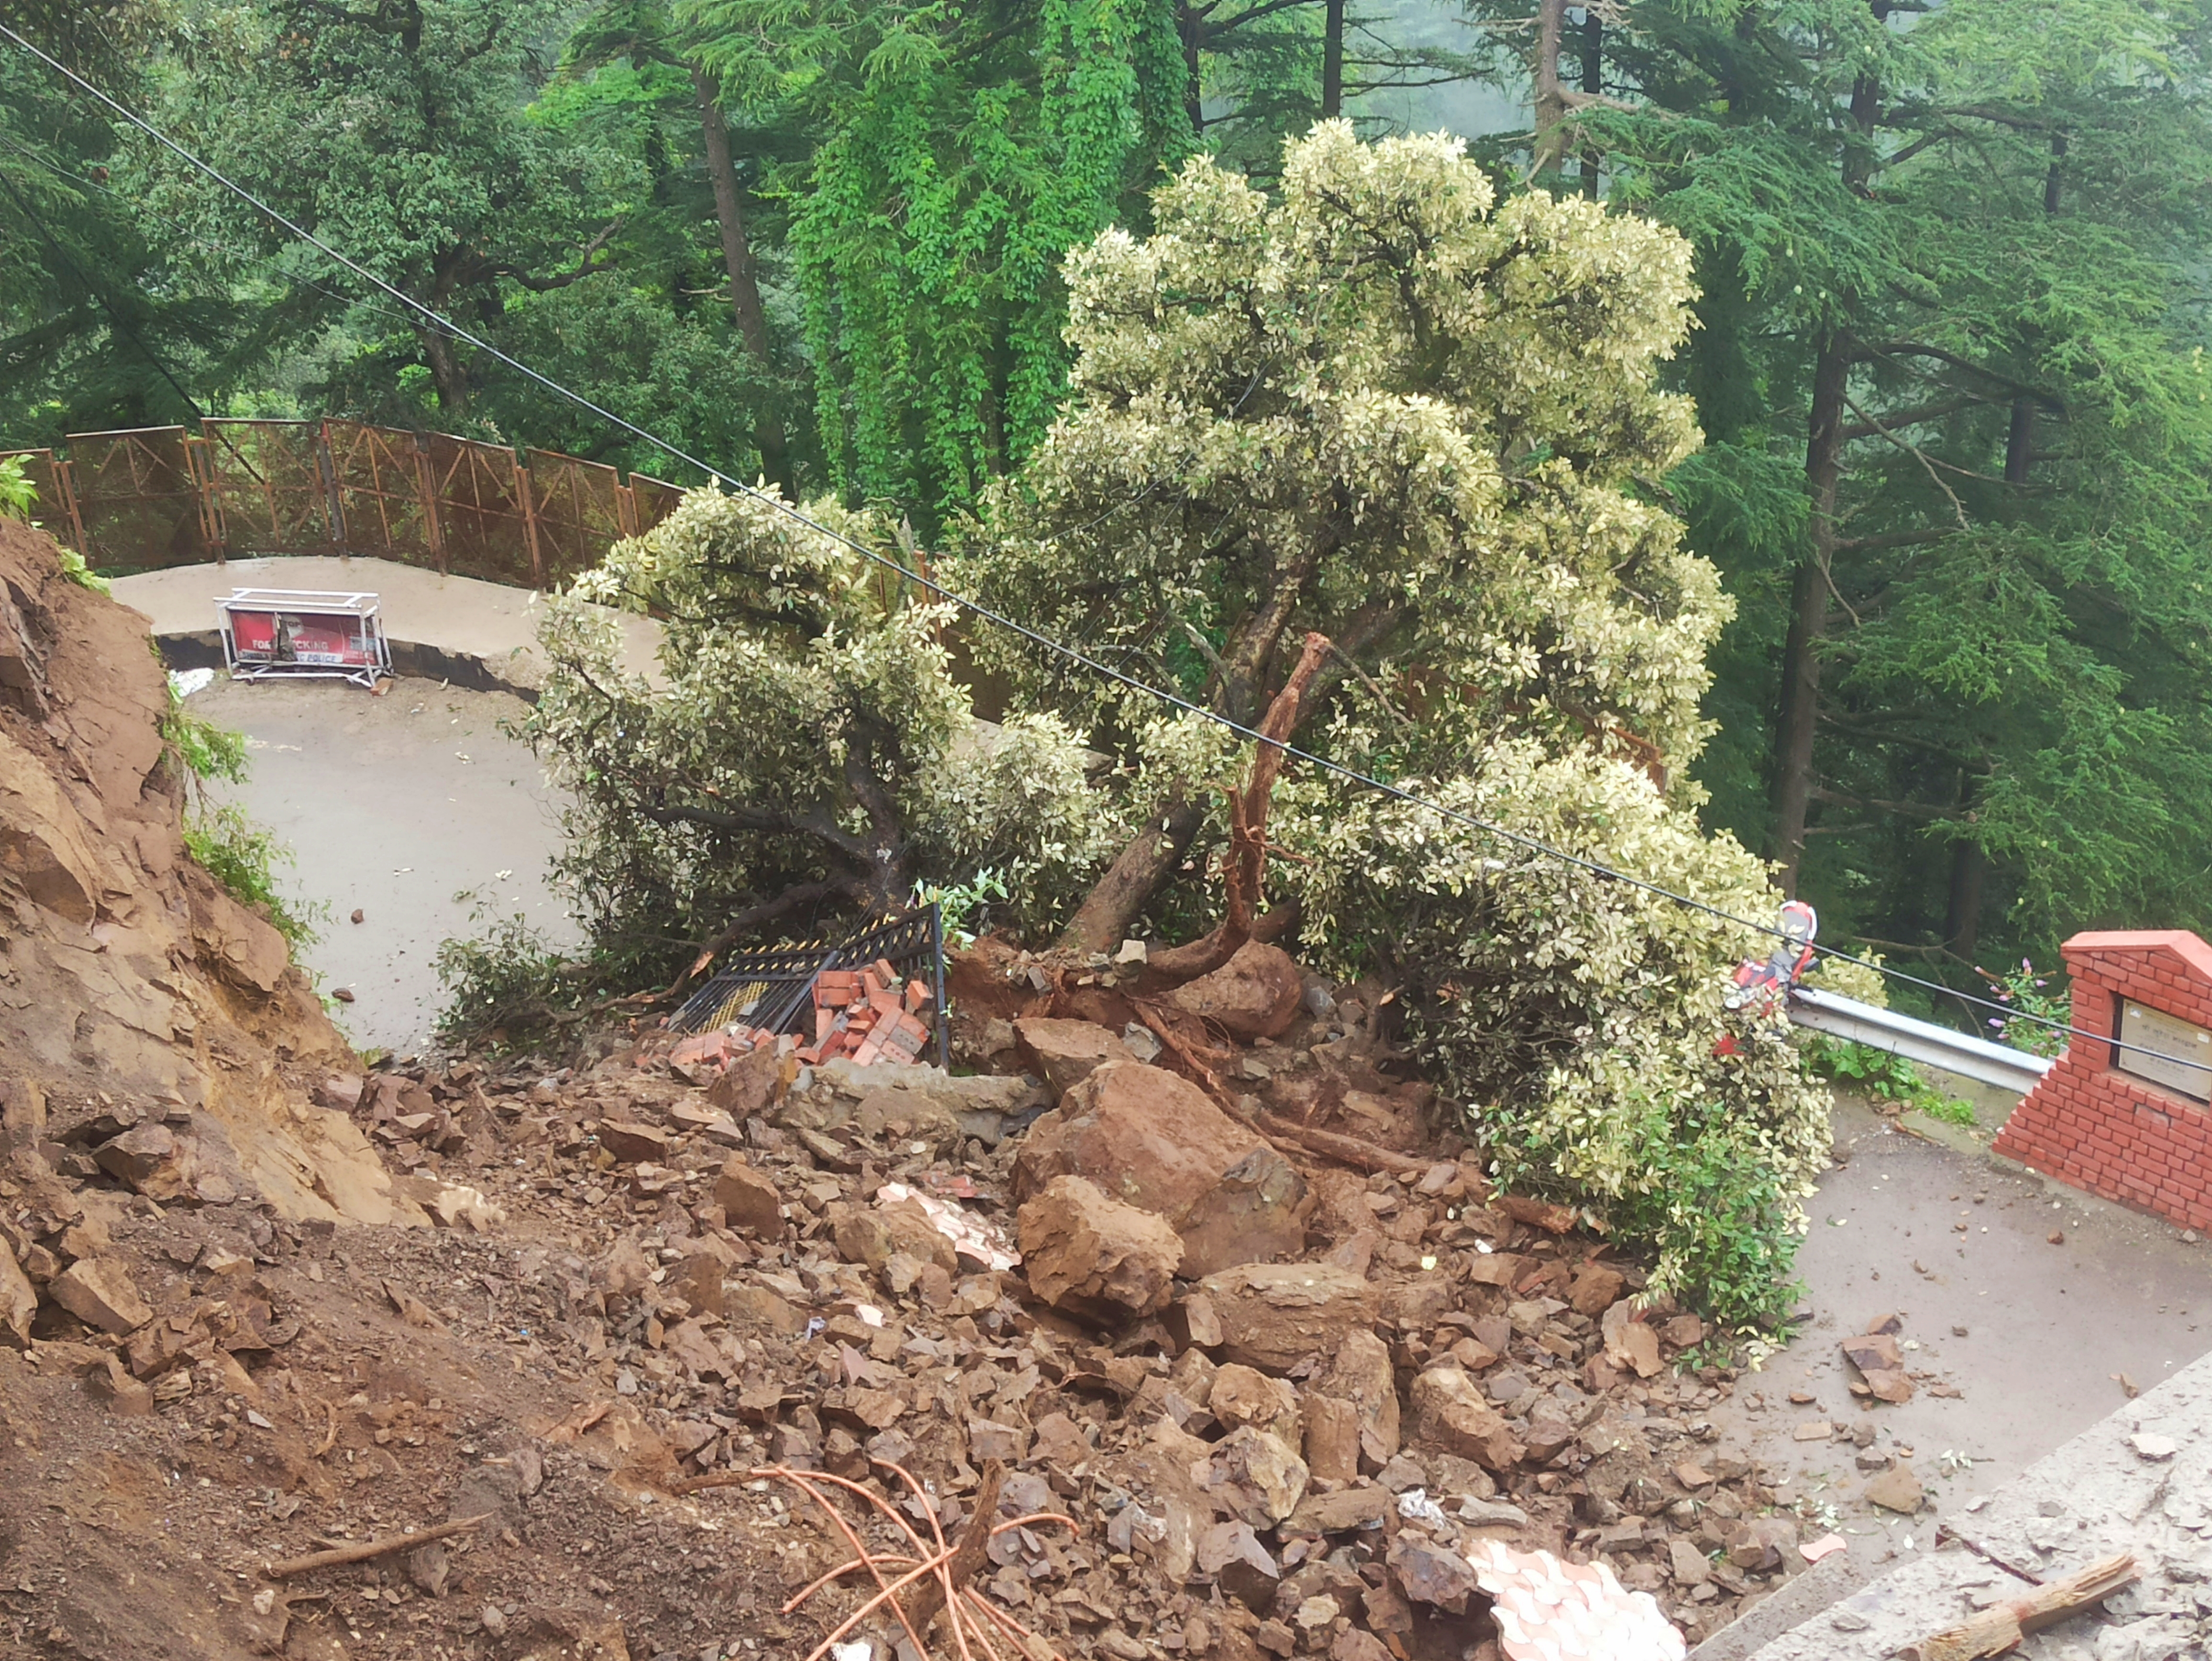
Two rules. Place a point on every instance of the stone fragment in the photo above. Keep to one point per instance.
(1353, 1645)
(1240, 1565)
(990, 1439)
(99, 1292)
(1255, 1213)
(1360, 1372)
(1254, 1475)
(147, 1159)
(873, 1235)
(1255, 994)
(1341, 1511)
(1686, 1563)
(1272, 1316)
(632, 1143)
(749, 1202)
(1889, 1384)
(747, 1087)
(1896, 1489)
(1813, 1430)
(19, 1303)
(1242, 1395)
(1629, 1342)
(1332, 1438)
(1151, 1139)
(1450, 1413)
(1869, 1351)
(1065, 1053)
(1091, 1255)
(1597, 1289)
(1683, 1332)
(2149, 1444)
(1427, 1573)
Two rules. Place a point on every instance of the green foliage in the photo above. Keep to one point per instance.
(239, 854)
(1387, 406)
(203, 749)
(1716, 1211)
(804, 758)
(243, 857)
(18, 495)
(2026, 992)
(959, 903)
(506, 981)
(955, 155)
(1882, 1077)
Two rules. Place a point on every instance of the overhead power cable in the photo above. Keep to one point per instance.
(976, 608)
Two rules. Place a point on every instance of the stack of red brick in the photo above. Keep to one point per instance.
(866, 1014)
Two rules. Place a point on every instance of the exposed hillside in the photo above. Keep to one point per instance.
(130, 982)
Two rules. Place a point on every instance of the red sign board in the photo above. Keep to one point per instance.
(288, 636)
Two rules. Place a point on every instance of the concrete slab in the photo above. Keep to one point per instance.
(2046, 1326)
(2138, 1481)
(460, 617)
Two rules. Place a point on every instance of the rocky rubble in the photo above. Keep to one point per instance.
(1281, 1399)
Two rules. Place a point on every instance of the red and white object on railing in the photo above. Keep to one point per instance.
(290, 633)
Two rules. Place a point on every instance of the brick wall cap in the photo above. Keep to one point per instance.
(2191, 951)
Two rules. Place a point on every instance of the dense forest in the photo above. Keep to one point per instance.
(1948, 359)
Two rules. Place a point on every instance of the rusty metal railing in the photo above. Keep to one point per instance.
(158, 496)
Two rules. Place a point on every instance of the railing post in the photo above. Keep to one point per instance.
(326, 474)
(426, 488)
(522, 488)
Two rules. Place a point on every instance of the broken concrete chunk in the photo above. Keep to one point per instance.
(1091, 1255)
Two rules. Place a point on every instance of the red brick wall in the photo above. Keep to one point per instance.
(2118, 1136)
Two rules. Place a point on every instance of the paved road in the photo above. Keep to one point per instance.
(488, 621)
(2046, 1326)
(395, 804)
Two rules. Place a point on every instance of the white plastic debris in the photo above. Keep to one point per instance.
(1415, 1506)
(185, 682)
(1550, 1610)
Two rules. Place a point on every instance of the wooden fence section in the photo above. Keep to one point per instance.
(159, 496)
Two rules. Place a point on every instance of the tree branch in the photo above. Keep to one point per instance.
(589, 265)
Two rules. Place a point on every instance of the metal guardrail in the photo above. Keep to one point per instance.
(1919, 1041)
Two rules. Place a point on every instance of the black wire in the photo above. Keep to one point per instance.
(1350, 776)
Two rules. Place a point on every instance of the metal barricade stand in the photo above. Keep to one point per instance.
(288, 633)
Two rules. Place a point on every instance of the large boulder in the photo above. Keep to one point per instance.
(1151, 1139)
(1088, 1253)
(1066, 1053)
(1255, 994)
(1273, 1315)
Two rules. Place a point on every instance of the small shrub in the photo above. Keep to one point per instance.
(508, 980)
(243, 857)
(2023, 990)
(18, 495)
(1882, 1077)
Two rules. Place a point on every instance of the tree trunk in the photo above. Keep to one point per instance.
(1103, 920)
(1808, 612)
(448, 374)
(1962, 919)
(1192, 27)
(1551, 104)
(1593, 48)
(1332, 60)
(745, 306)
(1798, 717)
